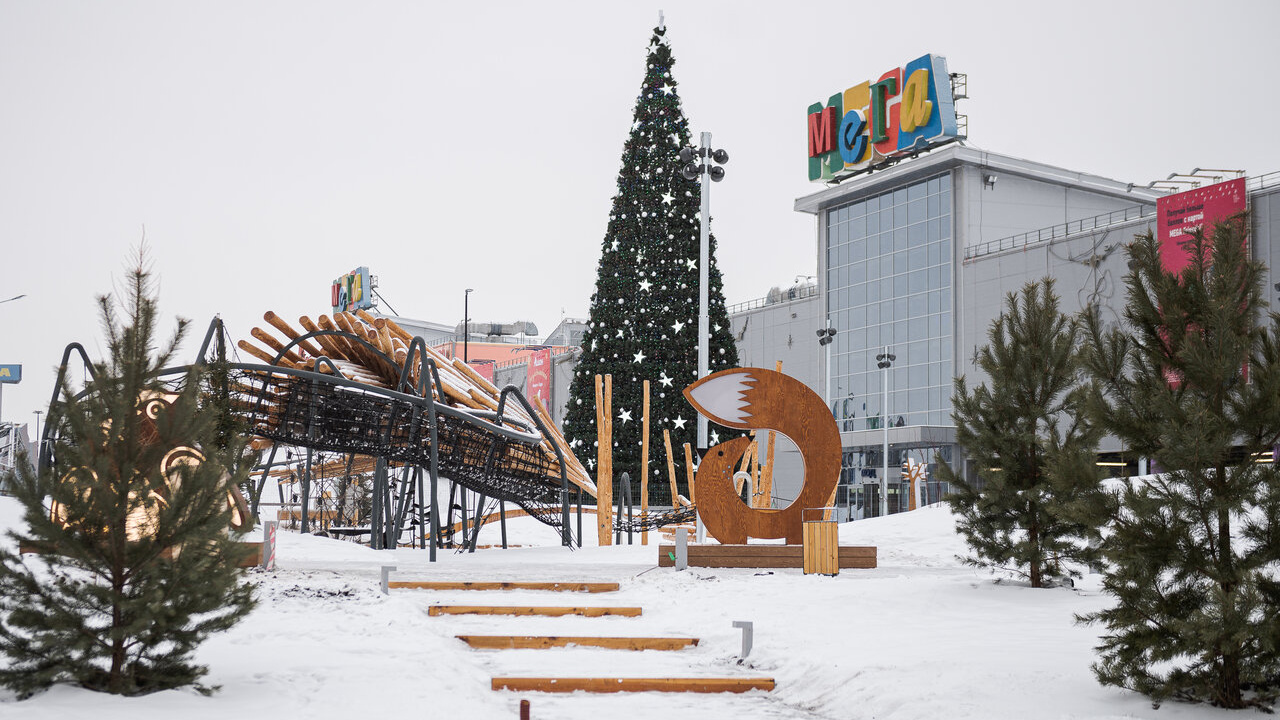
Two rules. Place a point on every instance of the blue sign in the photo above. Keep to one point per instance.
(10, 373)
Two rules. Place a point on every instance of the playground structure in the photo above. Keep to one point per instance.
(367, 397)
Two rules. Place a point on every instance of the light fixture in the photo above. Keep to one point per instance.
(990, 181)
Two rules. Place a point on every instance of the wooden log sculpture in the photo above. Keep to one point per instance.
(382, 363)
(758, 399)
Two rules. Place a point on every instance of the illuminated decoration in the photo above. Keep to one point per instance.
(144, 515)
(1185, 212)
(353, 291)
(758, 399)
(907, 110)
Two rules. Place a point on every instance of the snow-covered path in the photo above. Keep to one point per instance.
(921, 636)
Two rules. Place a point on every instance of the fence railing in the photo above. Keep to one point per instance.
(1097, 222)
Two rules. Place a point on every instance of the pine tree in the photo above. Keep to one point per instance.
(1027, 432)
(644, 313)
(1192, 381)
(134, 566)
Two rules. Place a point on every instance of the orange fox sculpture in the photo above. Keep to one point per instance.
(758, 399)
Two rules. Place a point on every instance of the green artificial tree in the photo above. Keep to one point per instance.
(129, 563)
(1027, 432)
(1191, 380)
(644, 313)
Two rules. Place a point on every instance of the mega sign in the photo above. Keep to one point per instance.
(10, 373)
(908, 109)
(351, 291)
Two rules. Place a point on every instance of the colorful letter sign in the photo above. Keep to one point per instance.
(10, 373)
(351, 291)
(908, 109)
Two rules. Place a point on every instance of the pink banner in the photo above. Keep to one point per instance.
(1182, 213)
(540, 376)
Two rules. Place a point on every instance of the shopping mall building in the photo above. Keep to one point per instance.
(919, 239)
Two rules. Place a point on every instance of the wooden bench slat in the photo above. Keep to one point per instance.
(764, 556)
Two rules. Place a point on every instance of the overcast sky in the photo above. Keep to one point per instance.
(268, 147)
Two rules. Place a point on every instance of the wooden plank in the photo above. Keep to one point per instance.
(711, 550)
(765, 556)
(587, 587)
(604, 461)
(644, 465)
(542, 611)
(671, 468)
(616, 684)
(539, 642)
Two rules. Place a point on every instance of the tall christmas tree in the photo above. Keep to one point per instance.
(644, 313)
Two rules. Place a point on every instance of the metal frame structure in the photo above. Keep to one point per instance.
(407, 428)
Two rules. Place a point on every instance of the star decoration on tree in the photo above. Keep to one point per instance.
(625, 416)
(645, 285)
(639, 357)
(666, 381)
(693, 264)
(678, 326)
(679, 422)
(667, 198)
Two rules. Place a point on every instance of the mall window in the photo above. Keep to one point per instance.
(889, 283)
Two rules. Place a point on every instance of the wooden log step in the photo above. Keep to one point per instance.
(540, 642)
(587, 587)
(763, 556)
(551, 611)
(612, 685)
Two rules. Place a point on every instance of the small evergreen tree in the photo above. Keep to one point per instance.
(1027, 432)
(644, 313)
(133, 566)
(1192, 381)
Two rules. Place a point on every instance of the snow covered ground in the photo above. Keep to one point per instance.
(921, 636)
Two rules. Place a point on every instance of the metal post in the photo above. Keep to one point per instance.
(502, 521)
(747, 631)
(884, 423)
(704, 255)
(682, 548)
(306, 494)
(466, 323)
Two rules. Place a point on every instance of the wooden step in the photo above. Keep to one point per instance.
(437, 610)
(587, 587)
(505, 642)
(612, 685)
(763, 556)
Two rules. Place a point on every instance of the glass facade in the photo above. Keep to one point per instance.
(889, 284)
(858, 494)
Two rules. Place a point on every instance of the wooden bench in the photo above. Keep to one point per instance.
(763, 556)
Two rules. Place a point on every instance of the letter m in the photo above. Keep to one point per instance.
(822, 131)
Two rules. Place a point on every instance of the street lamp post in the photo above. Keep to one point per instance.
(708, 163)
(466, 323)
(825, 337)
(884, 361)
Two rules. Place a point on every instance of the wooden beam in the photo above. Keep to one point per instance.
(644, 465)
(542, 611)
(671, 468)
(587, 587)
(766, 556)
(539, 642)
(616, 684)
(604, 461)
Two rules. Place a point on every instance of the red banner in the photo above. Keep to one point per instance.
(1183, 213)
(539, 385)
